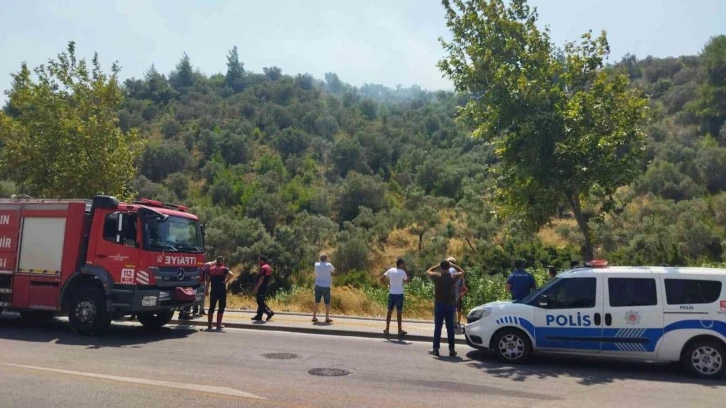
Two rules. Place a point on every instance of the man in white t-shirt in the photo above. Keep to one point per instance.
(323, 279)
(396, 278)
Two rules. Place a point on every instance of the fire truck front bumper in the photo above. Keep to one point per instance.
(153, 299)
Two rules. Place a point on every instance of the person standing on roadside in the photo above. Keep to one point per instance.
(459, 285)
(198, 310)
(396, 278)
(323, 279)
(551, 272)
(445, 303)
(217, 279)
(263, 281)
(460, 288)
(520, 283)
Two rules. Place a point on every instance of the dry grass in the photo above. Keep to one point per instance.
(456, 248)
(345, 301)
(549, 235)
(399, 242)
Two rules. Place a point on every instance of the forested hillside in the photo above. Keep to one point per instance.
(291, 165)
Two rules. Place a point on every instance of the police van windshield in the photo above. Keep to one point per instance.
(172, 234)
(539, 291)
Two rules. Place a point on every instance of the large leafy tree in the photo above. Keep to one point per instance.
(565, 127)
(60, 130)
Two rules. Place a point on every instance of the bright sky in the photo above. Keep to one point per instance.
(375, 41)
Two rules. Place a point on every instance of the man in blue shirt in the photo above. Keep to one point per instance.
(520, 283)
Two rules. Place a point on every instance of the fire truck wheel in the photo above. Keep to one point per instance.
(87, 313)
(153, 320)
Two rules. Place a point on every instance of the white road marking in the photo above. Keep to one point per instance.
(211, 389)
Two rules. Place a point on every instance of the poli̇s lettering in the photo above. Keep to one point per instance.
(568, 320)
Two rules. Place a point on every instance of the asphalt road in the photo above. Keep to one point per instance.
(47, 365)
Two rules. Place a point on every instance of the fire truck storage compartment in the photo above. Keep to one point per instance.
(41, 255)
(41, 248)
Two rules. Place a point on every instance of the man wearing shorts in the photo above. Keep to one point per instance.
(217, 279)
(396, 277)
(323, 279)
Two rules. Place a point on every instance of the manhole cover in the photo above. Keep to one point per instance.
(280, 356)
(329, 372)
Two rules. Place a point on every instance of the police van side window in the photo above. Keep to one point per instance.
(632, 292)
(691, 292)
(573, 293)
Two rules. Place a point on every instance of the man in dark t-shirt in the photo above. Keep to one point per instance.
(445, 303)
(263, 280)
(217, 278)
(520, 283)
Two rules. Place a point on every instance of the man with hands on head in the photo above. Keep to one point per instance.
(444, 276)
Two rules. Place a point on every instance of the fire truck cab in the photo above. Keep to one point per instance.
(98, 260)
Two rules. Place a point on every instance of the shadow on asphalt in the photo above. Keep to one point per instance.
(398, 342)
(446, 358)
(60, 332)
(587, 370)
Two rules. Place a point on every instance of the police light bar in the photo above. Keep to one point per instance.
(597, 263)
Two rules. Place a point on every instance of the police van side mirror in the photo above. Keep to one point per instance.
(544, 301)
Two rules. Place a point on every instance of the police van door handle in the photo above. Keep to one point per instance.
(608, 319)
(598, 319)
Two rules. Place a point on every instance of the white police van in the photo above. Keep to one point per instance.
(653, 313)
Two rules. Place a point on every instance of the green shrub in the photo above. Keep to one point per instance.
(355, 278)
(351, 255)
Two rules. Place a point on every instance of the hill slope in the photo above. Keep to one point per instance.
(289, 166)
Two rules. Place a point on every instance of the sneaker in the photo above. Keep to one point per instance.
(434, 352)
(269, 316)
(452, 353)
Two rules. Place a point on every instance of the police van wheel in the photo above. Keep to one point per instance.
(512, 346)
(154, 321)
(87, 312)
(705, 359)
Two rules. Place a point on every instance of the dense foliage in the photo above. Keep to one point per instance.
(564, 127)
(59, 131)
(290, 165)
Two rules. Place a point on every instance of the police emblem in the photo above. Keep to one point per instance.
(632, 318)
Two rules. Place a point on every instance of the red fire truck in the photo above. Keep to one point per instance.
(99, 259)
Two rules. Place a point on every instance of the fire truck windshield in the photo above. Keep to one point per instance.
(175, 234)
